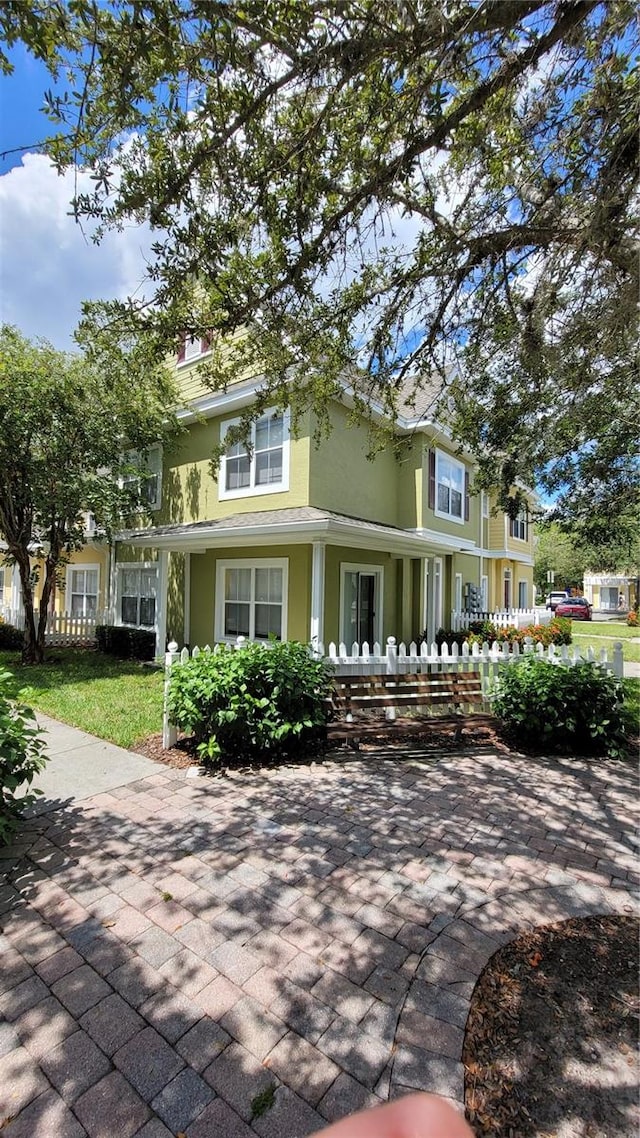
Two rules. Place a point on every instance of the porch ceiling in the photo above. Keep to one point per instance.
(295, 526)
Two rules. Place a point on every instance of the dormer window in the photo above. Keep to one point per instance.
(192, 348)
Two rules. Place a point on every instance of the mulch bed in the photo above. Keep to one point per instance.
(439, 737)
(551, 1046)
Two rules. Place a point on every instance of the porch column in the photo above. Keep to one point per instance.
(161, 613)
(187, 599)
(317, 592)
(406, 630)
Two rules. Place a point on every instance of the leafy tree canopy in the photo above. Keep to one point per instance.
(379, 189)
(69, 425)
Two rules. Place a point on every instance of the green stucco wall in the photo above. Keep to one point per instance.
(341, 478)
(335, 557)
(190, 493)
(203, 585)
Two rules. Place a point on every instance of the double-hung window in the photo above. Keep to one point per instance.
(518, 526)
(138, 591)
(450, 487)
(262, 465)
(82, 590)
(252, 599)
(147, 486)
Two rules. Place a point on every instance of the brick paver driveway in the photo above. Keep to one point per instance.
(175, 948)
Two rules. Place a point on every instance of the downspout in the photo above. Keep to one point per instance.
(481, 511)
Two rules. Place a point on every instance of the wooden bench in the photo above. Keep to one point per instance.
(397, 693)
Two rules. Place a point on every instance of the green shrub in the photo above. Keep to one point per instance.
(10, 638)
(261, 699)
(21, 756)
(127, 643)
(576, 707)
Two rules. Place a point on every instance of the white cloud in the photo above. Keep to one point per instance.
(48, 264)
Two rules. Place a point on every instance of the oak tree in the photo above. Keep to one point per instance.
(375, 191)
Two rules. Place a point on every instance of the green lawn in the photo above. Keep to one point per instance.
(604, 633)
(118, 700)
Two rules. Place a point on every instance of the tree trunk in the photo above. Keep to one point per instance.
(33, 645)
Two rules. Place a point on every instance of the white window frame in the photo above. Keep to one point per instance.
(71, 569)
(193, 350)
(135, 458)
(521, 521)
(253, 490)
(523, 584)
(376, 571)
(120, 567)
(250, 563)
(441, 457)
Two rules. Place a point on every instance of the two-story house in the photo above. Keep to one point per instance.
(311, 542)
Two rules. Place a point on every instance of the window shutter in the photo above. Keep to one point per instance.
(182, 348)
(512, 527)
(467, 497)
(432, 480)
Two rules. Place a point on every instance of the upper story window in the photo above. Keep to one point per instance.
(448, 487)
(192, 347)
(149, 486)
(263, 466)
(518, 526)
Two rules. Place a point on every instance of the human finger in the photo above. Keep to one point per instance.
(416, 1116)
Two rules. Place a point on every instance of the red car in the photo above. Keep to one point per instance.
(578, 608)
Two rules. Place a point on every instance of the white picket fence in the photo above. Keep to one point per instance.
(398, 659)
(64, 629)
(503, 618)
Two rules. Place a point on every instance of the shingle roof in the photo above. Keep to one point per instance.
(264, 519)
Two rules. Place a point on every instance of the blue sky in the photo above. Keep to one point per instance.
(48, 265)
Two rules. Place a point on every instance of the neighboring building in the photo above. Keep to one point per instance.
(82, 589)
(308, 542)
(611, 592)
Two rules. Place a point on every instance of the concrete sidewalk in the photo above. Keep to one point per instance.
(80, 766)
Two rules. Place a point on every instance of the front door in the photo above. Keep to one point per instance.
(359, 607)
